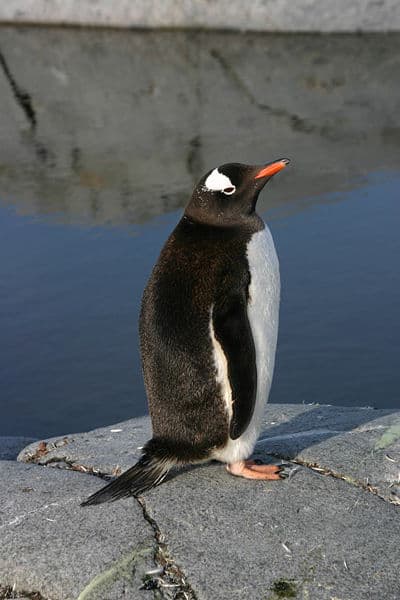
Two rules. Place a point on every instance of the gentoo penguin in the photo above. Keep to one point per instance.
(208, 331)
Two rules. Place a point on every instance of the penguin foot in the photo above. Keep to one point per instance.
(251, 470)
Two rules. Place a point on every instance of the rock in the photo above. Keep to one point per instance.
(349, 443)
(313, 535)
(326, 532)
(107, 450)
(52, 546)
(342, 441)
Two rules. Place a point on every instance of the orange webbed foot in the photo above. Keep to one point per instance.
(249, 469)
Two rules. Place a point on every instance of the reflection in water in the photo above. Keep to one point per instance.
(125, 122)
(114, 128)
(69, 303)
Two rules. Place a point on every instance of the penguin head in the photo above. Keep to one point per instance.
(228, 194)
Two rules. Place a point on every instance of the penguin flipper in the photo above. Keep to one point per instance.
(147, 473)
(233, 332)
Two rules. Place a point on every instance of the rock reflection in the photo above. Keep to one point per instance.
(125, 122)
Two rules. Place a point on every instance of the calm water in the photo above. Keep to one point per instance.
(98, 162)
(70, 299)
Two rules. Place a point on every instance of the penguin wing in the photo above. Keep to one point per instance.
(233, 332)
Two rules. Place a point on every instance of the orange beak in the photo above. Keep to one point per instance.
(272, 168)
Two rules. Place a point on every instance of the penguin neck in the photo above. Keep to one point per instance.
(252, 222)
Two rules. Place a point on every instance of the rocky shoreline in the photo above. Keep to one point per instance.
(330, 531)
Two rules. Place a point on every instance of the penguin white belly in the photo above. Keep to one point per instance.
(263, 314)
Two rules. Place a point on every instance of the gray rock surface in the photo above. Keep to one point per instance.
(52, 546)
(263, 15)
(329, 531)
(164, 107)
(10, 446)
(351, 443)
(361, 446)
(102, 450)
(315, 535)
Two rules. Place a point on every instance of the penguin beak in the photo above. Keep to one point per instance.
(272, 168)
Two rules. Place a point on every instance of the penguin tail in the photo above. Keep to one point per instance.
(148, 472)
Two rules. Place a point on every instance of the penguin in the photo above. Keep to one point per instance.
(208, 332)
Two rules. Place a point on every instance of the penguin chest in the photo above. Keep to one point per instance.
(263, 315)
(263, 312)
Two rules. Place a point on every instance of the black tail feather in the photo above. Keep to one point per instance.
(148, 472)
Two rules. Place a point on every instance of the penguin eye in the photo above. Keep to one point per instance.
(229, 190)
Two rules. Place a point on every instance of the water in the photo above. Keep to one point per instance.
(70, 298)
(89, 194)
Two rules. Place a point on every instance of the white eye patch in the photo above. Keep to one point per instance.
(218, 182)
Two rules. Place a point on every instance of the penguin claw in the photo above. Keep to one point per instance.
(287, 470)
(283, 474)
(284, 466)
(284, 470)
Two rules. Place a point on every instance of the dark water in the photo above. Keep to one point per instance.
(98, 159)
(70, 298)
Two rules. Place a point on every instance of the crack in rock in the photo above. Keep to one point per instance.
(63, 462)
(170, 581)
(44, 448)
(21, 96)
(367, 487)
(69, 465)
